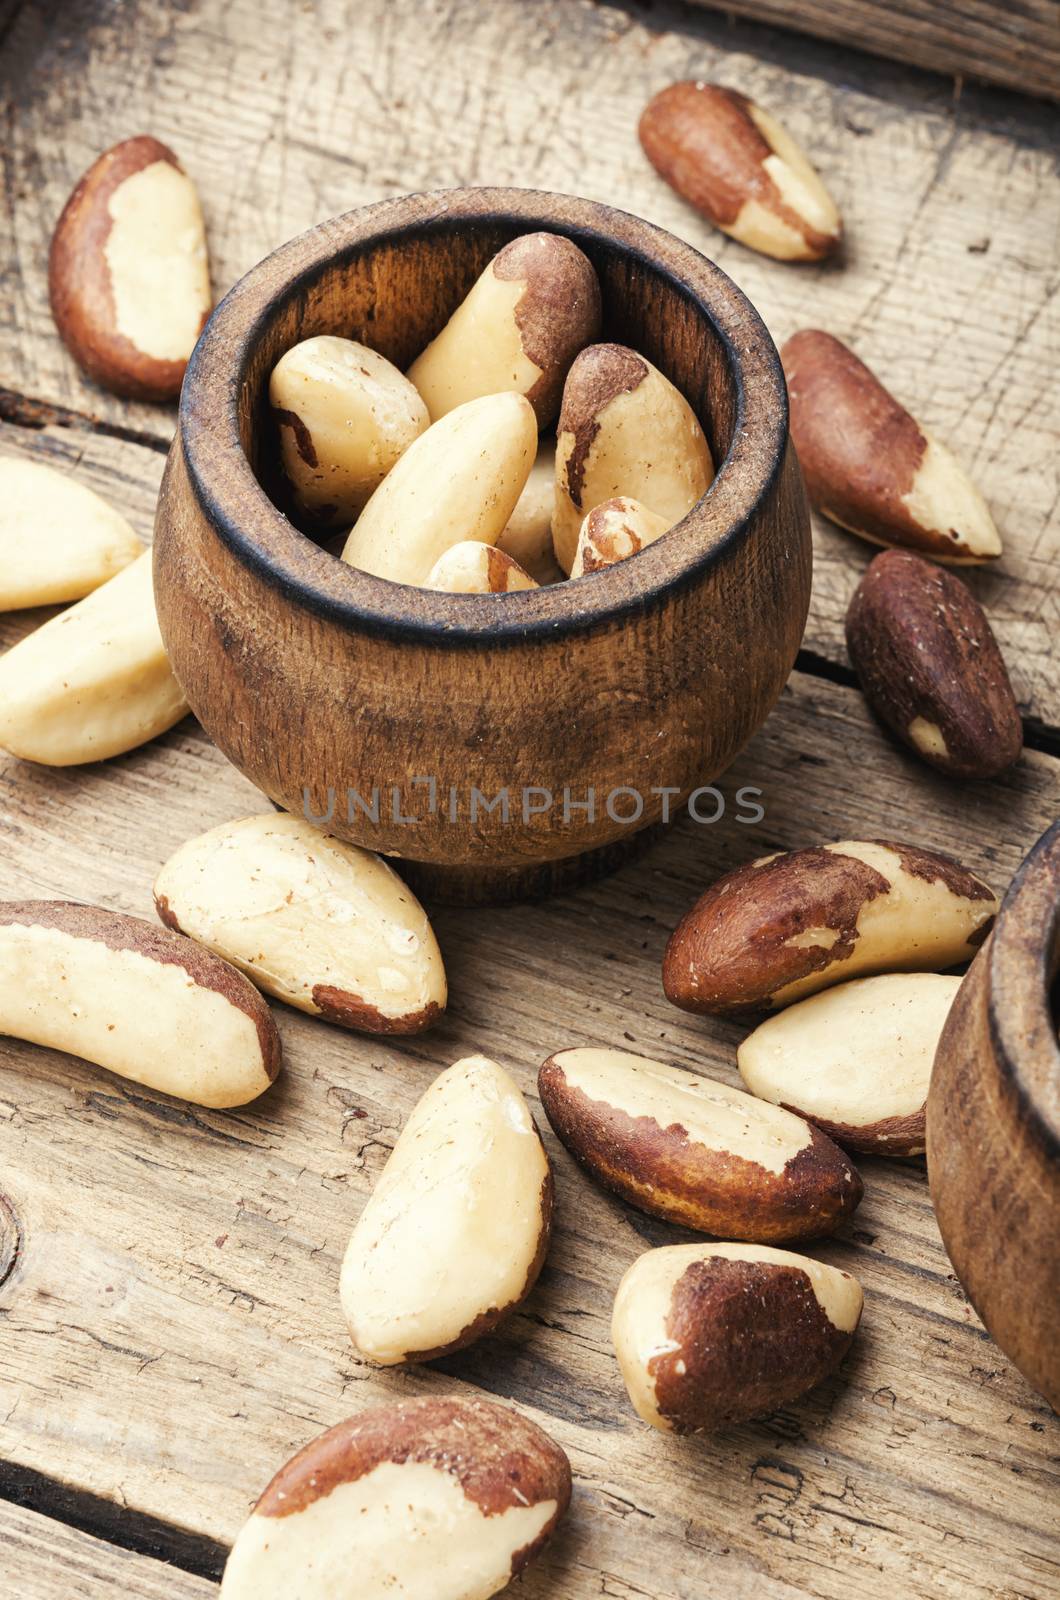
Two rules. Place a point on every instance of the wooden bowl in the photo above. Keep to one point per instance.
(317, 679)
(993, 1124)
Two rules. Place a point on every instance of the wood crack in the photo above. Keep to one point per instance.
(117, 1524)
(22, 411)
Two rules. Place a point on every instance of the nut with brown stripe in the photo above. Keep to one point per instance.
(459, 480)
(711, 1335)
(624, 430)
(428, 1499)
(325, 926)
(855, 1060)
(612, 532)
(474, 568)
(790, 924)
(344, 414)
(930, 667)
(871, 467)
(58, 540)
(128, 273)
(456, 1230)
(520, 327)
(93, 682)
(741, 169)
(695, 1151)
(139, 1000)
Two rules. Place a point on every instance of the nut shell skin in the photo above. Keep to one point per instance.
(741, 170)
(694, 1151)
(712, 1335)
(80, 282)
(870, 466)
(613, 531)
(471, 567)
(624, 429)
(534, 307)
(446, 1498)
(930, 667)
(787, 925)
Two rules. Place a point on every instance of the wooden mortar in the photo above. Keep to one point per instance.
(314, 677)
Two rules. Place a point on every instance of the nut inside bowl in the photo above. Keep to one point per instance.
(331, 689)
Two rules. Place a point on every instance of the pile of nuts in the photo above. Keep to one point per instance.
(439, 470)
(436, 479)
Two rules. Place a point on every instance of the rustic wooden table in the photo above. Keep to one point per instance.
(169, 1321)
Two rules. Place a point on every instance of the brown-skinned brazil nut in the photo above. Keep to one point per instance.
(870, 466)
(741, 169)
(695, 1151)
(788, 924)
(930, 667)
(449, 1498)
(710, 1335)
(128, 273)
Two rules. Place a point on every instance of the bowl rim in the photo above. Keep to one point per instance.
(234, 502)
(1024, 957)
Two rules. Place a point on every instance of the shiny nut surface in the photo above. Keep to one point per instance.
(428, 1499)
(696, 1151)
(792, 923)
(710, 1335)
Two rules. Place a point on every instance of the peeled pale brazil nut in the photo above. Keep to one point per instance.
(930, 667)
(856, 1060)
(325, 926)
(139, 1000)
(58, 539)
(344, 415)
(459, 480)
(429, 1499)
(790, 924)
(474, 568)
(128, 273)
(695, 1151)
(612, 532)
(527, 535)
(456, 1230)
(870, 466)
(93, 682)
(624, 429)
(741, 169)
(534, 307)
(711, 1335)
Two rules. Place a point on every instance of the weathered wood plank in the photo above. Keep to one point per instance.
(1017, 44)
(49, 1561)
(287, 114)
(187, 1260)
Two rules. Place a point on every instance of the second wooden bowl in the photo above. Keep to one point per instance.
(993, 1124)
(336, 691)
